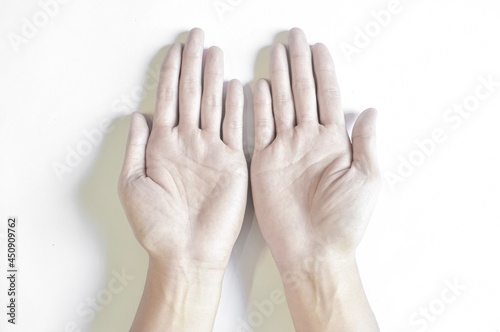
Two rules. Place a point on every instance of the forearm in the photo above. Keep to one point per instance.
(326, 296)
(178, 299)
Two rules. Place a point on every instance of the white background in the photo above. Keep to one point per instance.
(437, 221)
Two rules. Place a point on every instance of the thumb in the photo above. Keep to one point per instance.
(363, 141)
(134, 165)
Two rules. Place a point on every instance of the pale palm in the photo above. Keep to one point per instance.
(184, 186)
(200, 180)
(313, 190)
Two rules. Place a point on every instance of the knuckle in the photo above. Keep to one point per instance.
(301, 84)
(234, 124)
(168, 69)
(214, 75)
(264, 123)
(278, 71)
(301, 56)
(308, 119)
(190, 85)
(190, 54)
(167, 92)
(234, 104)
(283, 98)
(262, 101)
(212, 100)
(331, 92)
(285, 122)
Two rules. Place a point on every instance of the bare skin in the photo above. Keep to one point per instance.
(314, 190)
(184, 181)
(184, 188)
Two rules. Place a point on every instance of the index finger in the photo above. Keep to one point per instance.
(167, 93)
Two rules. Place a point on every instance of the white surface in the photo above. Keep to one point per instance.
(440, 223)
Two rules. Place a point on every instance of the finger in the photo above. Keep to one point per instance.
(211, 102)
(329, 103)
(282, 92)
(263, 115)
(190, 80)
(363, 141)
(303, 85)
(167, 94)
(232, 130)
(134, 165)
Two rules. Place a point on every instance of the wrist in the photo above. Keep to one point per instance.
(179, 297)
(186, 272)
(322, 273)
(333, 288)
(321, 284)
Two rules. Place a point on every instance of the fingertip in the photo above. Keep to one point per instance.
(261, 84)
(262, 92)
(295, 31)
(197, 32)
(365, 123)
(320, 48)
(235, 84)
(278, 48)
(135, 119)
(369, 115)
(174, 47)
(372, 111)
(136, 116)
(139, 124)
(195, 39)
(296, 35)
(216, 51)
(235, 94)
(143, 117)
(364, 141)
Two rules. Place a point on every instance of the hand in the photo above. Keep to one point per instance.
(184, 185)
(313, 189)
(311, 185)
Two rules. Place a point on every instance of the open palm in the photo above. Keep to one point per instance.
(313, 190)
(184, 185)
